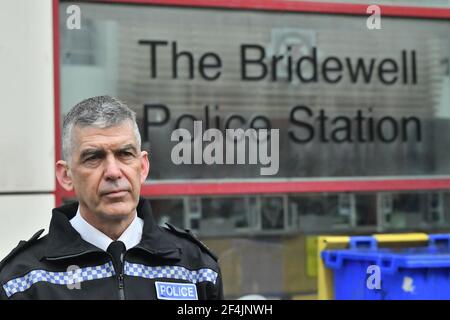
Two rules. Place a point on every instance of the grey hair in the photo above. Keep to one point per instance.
(100, 112)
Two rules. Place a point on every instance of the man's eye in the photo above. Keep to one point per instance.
(126, 154)
(91, 159)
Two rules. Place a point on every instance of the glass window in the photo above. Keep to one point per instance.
(252, 240)
(315, 213)
(211, 216)
(225, 215)
(273, 213)
(269, 247)
(415, 211)
(338, 92)
(169, 211)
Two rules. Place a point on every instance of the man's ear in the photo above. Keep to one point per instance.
(145, 166)
(63, 175)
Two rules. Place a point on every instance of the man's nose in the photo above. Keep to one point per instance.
(112, 169)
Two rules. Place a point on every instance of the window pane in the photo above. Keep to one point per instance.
(390, 120)
(169, 210)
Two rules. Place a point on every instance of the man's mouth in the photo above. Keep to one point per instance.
(115, 193)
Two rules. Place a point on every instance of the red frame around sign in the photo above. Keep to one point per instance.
(161, 189)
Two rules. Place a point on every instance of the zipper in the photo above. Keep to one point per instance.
(120, 278)
(119, 273)
(121, 291)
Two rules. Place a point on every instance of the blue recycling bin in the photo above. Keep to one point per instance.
(366, 272)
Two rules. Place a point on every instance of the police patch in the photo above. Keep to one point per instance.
(176, 291)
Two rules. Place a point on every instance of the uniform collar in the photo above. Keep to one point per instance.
(66, 242)
(130, 237)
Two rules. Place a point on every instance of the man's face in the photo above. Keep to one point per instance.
(106, 170)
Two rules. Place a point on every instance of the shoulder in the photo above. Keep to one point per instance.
(191, 239)
(23, 250)
(197, 256)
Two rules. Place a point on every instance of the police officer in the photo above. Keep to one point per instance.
(107, 245)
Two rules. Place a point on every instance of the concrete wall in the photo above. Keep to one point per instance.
(27, 120)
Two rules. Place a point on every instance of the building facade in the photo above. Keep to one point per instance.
(355, 100)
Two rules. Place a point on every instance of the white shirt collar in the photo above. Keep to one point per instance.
(130, 237)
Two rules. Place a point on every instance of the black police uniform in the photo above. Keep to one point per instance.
(61, 265)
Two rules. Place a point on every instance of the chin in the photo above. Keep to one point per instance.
(118, 209)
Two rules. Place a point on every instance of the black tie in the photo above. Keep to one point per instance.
(117, 249)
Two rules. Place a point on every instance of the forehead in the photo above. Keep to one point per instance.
(105, 138)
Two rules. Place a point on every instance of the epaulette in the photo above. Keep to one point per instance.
(189, 235)
(21, 246)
